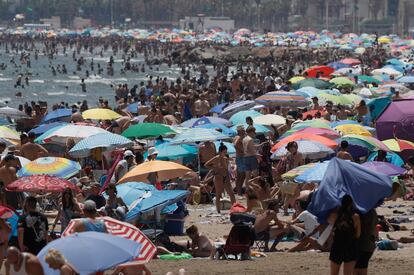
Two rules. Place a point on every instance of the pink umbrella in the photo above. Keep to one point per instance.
(328, 133)
(350, 61)
(41, 183)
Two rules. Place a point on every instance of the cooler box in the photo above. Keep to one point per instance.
(174, 224)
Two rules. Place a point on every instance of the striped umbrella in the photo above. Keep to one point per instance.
(240, 117)
(194, 135)
(308, 148)
(12, 113)
(205, 120)
(398, 145)
(108, 141)
(370, 143)
(314, 174)
(7, 133)
(292, 174)
(304, 136)
(328, 133)
(314, 123)
(286, 99)
(41, 184)
(236, 107)
(219, 127)
(127, 231)
(61, 134)
(52, 166)
(335, 99)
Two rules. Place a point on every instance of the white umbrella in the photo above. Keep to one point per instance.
(269, 120)
(77, 132)
(12, 112)
(388, 71)
(308, 148)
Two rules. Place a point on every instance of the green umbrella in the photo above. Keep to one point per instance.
(312, 82)
(368, 79)
(342, 82)
(147, 130)
(335, 99)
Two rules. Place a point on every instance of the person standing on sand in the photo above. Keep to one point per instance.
(206, 152)
(31, 150)
(19, 263)
(7, 176)
(250, 155)
(238, 145)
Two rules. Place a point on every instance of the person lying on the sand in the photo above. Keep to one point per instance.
(200, 245)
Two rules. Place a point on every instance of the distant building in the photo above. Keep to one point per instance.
(201, 23)
(54, 22)
(81, 23)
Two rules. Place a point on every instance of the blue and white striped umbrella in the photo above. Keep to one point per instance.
(205, 120)
(237, 107)
(314, 174)
(43, 128)
(194, 135)
(308, 148)
(105, 140)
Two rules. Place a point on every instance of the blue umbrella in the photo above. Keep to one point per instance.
(104, 140)
(227, 131)
(408, 79)
(313, 174)
(237, 107)
(91, 252)
(57, 114)
(41, 129)
(231, 150)
(218, 108)
(193, 122)
(194, 135)
(386, 168)
(259, 128)
(391, 157)
(367, 188)
(342, 122)
(240, 117)
(377, 105)
(168, 151)
(133, 108)
(40, 138)
(338, 65)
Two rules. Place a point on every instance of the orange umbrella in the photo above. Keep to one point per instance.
(324, 71)
(305, 136)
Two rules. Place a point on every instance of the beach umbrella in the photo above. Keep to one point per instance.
(295, 79)
(165, 170)
(260, 129)
(124, 230)
(366, 188)
(218, 108)
(386, 71)
(41, 184)
(147, 130)
(56, 115)
(398, 145)
(219, 127)
(353, 129)
(91, 252)
(100, 114)
(376, 106)
(335, 99)
(314, 174)
(167, 151)
(342, 82)
(391, 157)
(312, 82)
(61, 134)
(313, 113)
(308, 91)
(368, 142)
(231, 150)
(327, 133)
(386, 168)
(270, 120)
(9, 134)
(384, 40)
(396, 121)
(304, 136)
(308, 148)
(314, 123)
(323, 71)
(236, 107)
(108, 141)
(5, 212)
(240, 117)
(408, 79)
(355, 99)
(292, 174)
(350, 61)
(284, 99)
(338, 66)
(12, 113)
(343, 122)
(368, 79)
(205, 120)
(194, 135)
(52, 166)
(41, 129)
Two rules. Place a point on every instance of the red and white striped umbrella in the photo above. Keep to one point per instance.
(127, 231)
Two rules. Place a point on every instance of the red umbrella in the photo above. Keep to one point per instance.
(127, 231)
(41, 183)
(5, 212)
(324, 71)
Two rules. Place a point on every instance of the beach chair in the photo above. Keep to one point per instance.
(238, 243)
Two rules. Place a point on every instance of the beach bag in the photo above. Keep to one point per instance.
(387, 245)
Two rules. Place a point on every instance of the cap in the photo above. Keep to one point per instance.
(89, 205)
(152, 151)
(128, 153)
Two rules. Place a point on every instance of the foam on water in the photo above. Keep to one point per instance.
(5, 79)
(36, 81)
(55, 93)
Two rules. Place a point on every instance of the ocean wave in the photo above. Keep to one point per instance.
(36, 81)
(55, 93)
(76, 95)
(5, 79)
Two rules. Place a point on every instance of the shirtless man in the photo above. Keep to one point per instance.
(238, 145)
(206, 152)
(343, 153)
(250, 155)
(22, 263)
(32, 150)
(202, 106)
(200, 245)
(119, 125)
(5, 231)
(8, 175)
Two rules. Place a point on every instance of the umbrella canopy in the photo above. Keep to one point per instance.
(398, 145)
(12, 113)
(126, 231)
(335, 99)
(108, 141)
(342, 82)
(260, 129)
(270, 120)
(314, 123)
(397, 121)
(350, 61)
(286, 99)
(342, 122)
(194, 135)
(5, 212)
(7, 133)
(81, 251)
(218, 108)
(386, 71)
(41, 184)
(314, 174)
(219, 127)
(304, 136)
(348, 178)
(292, 174)
(353, 129)
(240, 117)
(391, 157)
(308, 148)
(56, 115)
(167, 151)
(408, 79)
(312, 82)
(327, 133)
(322, 71)
(100, 114)
(205, 120)
(370, 143)
(165, 170)
(377, 105)
(295, 79)
(368, 79)
(43, 128)
(60, 135)
(386, 168)
(236, 107)
(52, 166)
(147, 130)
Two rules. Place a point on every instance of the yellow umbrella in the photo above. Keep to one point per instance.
(165, 170)
(353, 129)
(9, 134)
(295, 79)
(100, 114)
(384, 40)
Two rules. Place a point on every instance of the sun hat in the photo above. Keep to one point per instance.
(128, 153)
(152, 151)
